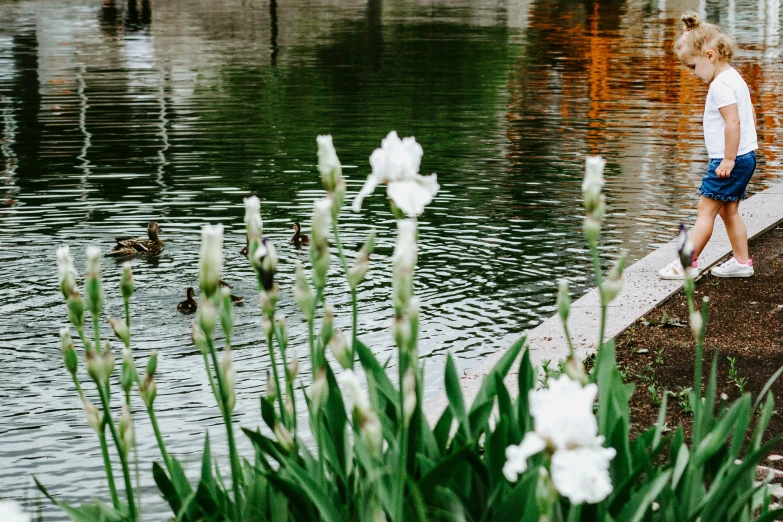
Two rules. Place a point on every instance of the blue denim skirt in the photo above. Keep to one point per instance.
(733, 187)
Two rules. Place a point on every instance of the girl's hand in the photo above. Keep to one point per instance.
(725, 168)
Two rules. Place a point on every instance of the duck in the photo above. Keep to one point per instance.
(236, 299)
(130, 246)
(299, 240)
(189, 305)
(245, 248)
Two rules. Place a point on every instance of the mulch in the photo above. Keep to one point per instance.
(745, 326)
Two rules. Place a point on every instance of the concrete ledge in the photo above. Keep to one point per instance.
(642, 291)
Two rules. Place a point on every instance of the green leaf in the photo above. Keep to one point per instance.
(517, 502)
(444, 470)
(94, 512)
(488, 388)
(680, 464)
(268, 412)
(641, 501)
(497, 442)
(206, 499)
(766, 387)
(266, 446)
(722, 492)
(763, 422)
(314, 491)
(206, 464)
(660, 422)
(371, 366)
(526, 382)
(301, 507)
(166, 487)
(479, 419)
(771, 516)
(605, 367)
(454, 394)
(716, 439)
(336, 420)
(506, 408)
(443, 429)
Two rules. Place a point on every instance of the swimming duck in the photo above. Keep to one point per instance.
(189, 305)
(129, 246)
(236, 299)
(299, 239)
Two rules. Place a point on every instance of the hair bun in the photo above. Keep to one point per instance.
(691, 20)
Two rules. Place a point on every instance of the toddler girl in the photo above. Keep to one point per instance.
(730, 136)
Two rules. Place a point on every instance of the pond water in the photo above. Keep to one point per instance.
(118, 114)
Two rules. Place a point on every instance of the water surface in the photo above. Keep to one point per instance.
(118, 114)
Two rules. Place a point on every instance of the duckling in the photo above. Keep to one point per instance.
(299, 240)
(129, 246)
(246, 247)
(189, 305)
(236, 299)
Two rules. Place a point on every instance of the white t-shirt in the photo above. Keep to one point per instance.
(727, 88)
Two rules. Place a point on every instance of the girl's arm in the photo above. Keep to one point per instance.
(732, 137)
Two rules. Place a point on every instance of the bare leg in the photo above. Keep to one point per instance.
(706, 211)
(736, 230)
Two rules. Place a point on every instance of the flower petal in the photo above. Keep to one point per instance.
(582, 474)
(409, 196)
(517, 455)
(563, 412)
(367, 189)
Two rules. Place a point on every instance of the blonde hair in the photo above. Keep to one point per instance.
(700, 36)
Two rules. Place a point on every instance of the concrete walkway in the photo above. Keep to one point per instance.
(642, 291)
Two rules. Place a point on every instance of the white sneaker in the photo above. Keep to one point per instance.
(733, 268)
(674, 270)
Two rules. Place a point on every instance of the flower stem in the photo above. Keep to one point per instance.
(97, 328)
(159, 437)
(115, 499)
(275, 373)
(598, 281)
(212, 384)
(319, 438)
(123, 460)
(289, 385)
(344, 262)
(232, 449)
(354, 324)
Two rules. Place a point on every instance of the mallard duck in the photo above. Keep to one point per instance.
(236, 299)
(299, 239)
(129, 246)
(189, 305)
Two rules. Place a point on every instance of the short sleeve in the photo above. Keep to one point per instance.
(722, 94)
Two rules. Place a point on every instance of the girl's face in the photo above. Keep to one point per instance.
(703, 66)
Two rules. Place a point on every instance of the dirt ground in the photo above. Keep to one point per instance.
(745, 326)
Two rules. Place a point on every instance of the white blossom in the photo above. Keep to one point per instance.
(405, 250)
(253, 221)
(411, 196)
(409, 394)
(322, 222)
(516, 456)
(582, 474)
(397, 163)
(328, 163)
(211, 258)
(11, 511)
(92, 263)
(66, 273)
(565, 425)
(355, 396)
(593, 182)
